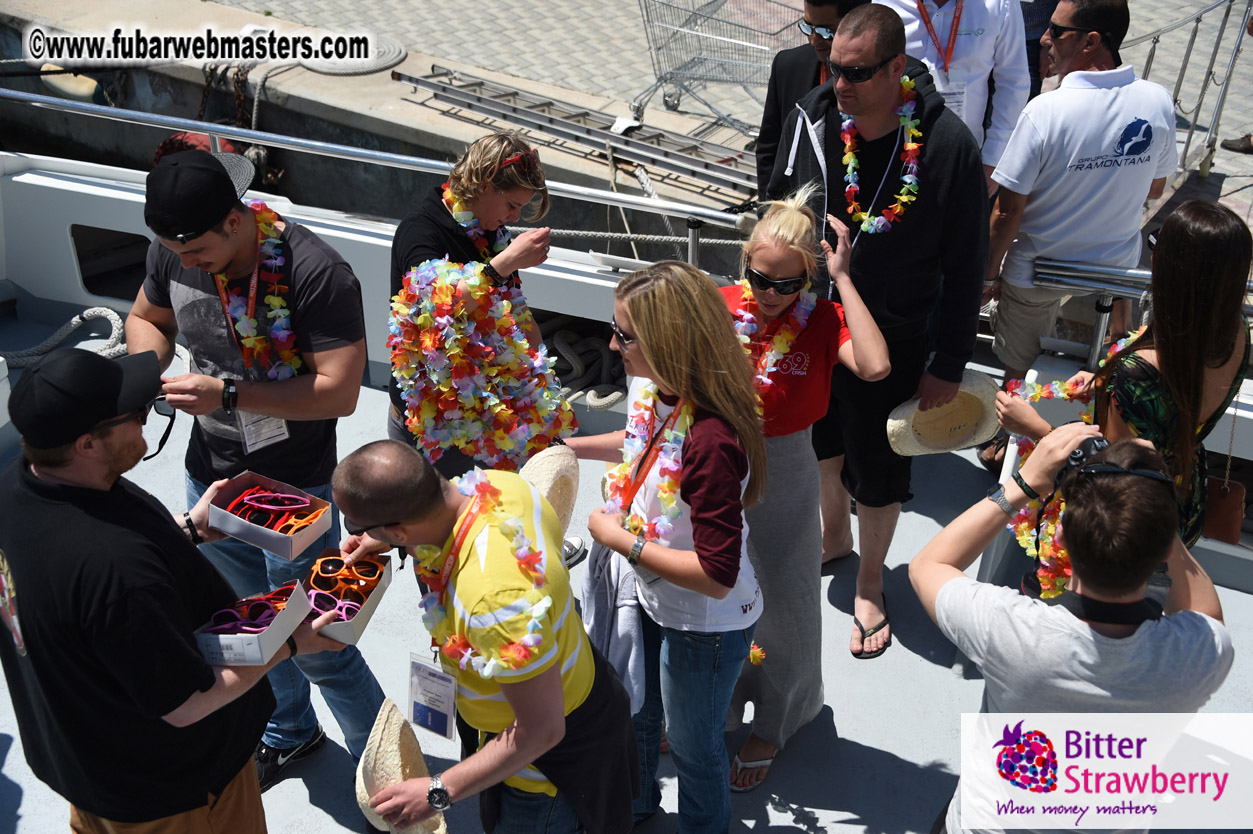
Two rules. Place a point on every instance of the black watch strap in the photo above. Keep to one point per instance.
(230, 396)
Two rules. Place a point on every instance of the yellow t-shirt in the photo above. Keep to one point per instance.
(500, 611)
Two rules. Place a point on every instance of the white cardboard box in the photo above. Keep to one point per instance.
(349, 631)
(256, 649)
(232, 525)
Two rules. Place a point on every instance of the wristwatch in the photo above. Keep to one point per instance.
(437, 795)
(230, 396)
(636, 549)
(997, 496)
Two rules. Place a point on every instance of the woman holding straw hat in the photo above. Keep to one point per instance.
(457, 303)
(793, 341)
(692, 457)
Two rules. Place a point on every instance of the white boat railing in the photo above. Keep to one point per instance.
(696, 216)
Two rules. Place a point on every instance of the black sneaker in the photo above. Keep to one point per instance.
(272, 760)
(573, 551)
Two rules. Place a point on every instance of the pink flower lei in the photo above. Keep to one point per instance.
(746, 326)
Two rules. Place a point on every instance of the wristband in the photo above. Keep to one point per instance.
(1025, 487)
(230, 396)
(291, 645)
(491, 272)
(191, 528)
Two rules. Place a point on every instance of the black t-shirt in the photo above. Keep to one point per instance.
(101, 593)
(429, 233)
(325, 302)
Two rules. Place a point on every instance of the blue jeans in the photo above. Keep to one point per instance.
(692, 675)
(522, 812)
(348, 686)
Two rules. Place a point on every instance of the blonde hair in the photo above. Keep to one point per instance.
(688, 338)
(481, 164)
(790, 223)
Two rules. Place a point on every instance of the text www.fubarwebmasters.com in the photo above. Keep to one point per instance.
(132, 46)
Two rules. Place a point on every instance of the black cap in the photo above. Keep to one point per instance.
(191, 192)
(68, 392)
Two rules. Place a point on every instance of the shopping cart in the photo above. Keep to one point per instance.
(697, 42)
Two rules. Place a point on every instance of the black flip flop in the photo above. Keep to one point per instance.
(864, 655)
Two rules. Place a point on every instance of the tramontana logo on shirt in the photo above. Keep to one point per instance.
(1131, 148)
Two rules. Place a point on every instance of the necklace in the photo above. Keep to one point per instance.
(909, 171)
(1035, 526)
(478, 236)
(275, 350)
(435, 564)
(644, 443)
(781, 344)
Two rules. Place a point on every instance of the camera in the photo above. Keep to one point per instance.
(1080, 455)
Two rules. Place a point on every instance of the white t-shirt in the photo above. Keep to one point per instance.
(1037, 657)
(1086, 155)
(989, 42)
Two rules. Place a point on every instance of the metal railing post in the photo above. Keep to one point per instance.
(1104, 306)
(693, 240)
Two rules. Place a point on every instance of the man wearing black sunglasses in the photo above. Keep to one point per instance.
(1079, 165)
(901, 260)
(102, 590)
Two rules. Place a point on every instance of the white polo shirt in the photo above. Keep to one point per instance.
(1085, 155)
(990, 41)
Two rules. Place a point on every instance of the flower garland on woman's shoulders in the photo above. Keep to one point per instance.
(746, 327)
(1054, 561)
(642, 422)
(467, 373)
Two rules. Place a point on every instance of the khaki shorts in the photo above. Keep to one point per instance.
(1020, 318)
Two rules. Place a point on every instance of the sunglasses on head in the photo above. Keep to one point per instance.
(857, 75)
(783, 286)
(528, 161)
(807, 28)
(624, 341)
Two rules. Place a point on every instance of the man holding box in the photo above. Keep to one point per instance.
(545, 724)
(272, 317)
(118, 711)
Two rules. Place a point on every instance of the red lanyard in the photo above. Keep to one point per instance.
(650, 455)
(252, 303)
(438, 584)
(947, 55)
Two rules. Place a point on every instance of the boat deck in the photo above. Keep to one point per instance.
(881, 757)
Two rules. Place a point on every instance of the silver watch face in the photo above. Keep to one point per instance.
(437, 795)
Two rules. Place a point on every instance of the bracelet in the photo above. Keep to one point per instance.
(191, 528)
(230, 396)
(1025, 487)
(291, 645)
(992, 283)
(490, 271)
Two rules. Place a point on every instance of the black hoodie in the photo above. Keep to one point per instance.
(940, 242)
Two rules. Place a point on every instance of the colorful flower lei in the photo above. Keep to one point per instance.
(1054, 562)
(781, 344)
(429, 561)
(477, 234)
(909, 172)
(277, 353)
(756, 654)
(469, 378)
(641, 419)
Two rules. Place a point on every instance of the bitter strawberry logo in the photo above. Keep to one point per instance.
(1027, 760)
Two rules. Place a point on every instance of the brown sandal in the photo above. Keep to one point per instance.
(992, 454)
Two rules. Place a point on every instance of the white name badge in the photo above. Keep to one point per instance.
(260, 431)
(954, 93)
(433, 698)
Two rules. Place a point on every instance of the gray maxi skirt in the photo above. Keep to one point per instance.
(785, 548)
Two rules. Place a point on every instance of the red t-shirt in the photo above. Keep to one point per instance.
(802, 382)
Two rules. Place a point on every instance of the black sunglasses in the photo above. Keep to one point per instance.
(1056, 30)
(857, 75)
(824, 32)
(624, 341)
(353, 530)
(783, 286)
(158, 404)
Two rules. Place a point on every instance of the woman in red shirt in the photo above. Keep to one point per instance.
(793, 340)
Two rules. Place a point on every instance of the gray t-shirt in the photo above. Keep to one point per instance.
(1037, 657)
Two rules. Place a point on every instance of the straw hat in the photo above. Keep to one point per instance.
(392, 755)
(968, 420)
(555, 473)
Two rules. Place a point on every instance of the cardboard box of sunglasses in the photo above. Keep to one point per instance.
(287, 546)
(255, 649)
(350, 631)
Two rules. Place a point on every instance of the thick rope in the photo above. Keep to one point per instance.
(113, 347)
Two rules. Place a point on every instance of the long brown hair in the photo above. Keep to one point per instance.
(1200, 275)
(689, 340)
